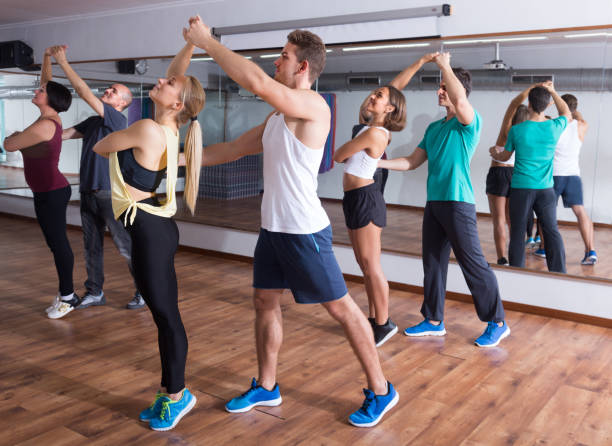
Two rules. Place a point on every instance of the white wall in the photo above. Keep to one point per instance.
(156, 31)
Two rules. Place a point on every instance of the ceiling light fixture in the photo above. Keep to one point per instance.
(578, 36)
(385, 47)
(496, 40)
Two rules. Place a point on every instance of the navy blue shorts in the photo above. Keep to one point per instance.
(303, 263)
(570, 189)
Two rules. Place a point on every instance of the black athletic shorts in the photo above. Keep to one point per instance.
(498, 181)
(364, 205)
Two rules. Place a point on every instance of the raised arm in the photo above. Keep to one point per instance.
(510, 111)
(372, 140)
(141, 134)
(39, 131)
(455, 90)
(82, 89)
(249, 143)
(181, 61)
(411, 162)
(71, 133)
(583, 126)
(296, 103)
(46, 73)
(561, 105)
(401, 80)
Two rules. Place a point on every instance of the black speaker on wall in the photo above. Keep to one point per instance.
(15, 54)
(126, 66)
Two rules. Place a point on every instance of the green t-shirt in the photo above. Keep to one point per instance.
(534, 145)
(450, 146)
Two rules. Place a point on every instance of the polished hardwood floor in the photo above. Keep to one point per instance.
(83, 379)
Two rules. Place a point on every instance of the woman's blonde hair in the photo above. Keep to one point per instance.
(193, 99)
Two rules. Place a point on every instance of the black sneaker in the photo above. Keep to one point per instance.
(503, 261)
(372, 322)
(382, 333)
(136, 302)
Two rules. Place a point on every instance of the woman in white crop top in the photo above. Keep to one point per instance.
(500, 176)
(363, 202)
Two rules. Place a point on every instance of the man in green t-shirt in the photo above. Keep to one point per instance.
(450, 213)
(533, 142)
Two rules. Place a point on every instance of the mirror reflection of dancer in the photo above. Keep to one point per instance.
(139, 157)
(294, 249)
(40, 145)
(450, 213)
(94, 185)
(364, 206)
(500, 176)
(534, 142)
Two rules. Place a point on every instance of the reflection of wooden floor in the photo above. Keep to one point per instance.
(83, 379)
(403, 232)
(12, 178)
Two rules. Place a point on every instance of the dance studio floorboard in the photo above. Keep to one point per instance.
(83, 379)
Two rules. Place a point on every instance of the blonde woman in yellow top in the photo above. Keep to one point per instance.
(140, 156)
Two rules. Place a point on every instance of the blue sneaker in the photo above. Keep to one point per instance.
(590, 258)
(374, 407)
(492, 335)
(426, 328)
(154, 409)
(255, 396)
(541, 253)
(172, 411)
(530, 243)
(538, 239)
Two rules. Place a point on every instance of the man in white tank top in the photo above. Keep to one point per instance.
(566, 175)
(294, 247)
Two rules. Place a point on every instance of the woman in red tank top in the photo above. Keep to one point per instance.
(40, 144)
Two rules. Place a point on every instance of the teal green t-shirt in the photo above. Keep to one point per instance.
(534, 145)
(450, 146)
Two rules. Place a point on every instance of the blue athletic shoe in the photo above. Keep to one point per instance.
(154, 409)
(541, 253)
(374, 407)
(426, 328)
(493, 334)
(255, 396)
(530, 243)
(172, 411)
(538, 239)
(590, 258)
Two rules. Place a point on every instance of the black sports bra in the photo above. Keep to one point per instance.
(137, 176)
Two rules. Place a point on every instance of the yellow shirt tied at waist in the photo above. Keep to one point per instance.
(123, 201)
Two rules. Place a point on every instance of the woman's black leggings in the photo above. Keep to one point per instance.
(154, 243)
(50, 208)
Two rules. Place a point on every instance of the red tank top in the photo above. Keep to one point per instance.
(40, 163)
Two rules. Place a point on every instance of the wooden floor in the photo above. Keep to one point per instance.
(403, 232)
(82, 380)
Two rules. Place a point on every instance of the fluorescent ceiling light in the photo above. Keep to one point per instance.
(269, 56)
(500, 40)
(385, 47)
(206, 59)
(578, 36)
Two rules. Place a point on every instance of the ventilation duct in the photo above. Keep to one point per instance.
(27, 92)
(361, 82)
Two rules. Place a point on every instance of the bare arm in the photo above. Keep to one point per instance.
(504, 155)
(141, 134)
(561, 105)
(82, 89)
(401, 80)
(181, 61)
(295, 103)
(510, 111)
(71, 133)
(249, 143)
(455, 90)
(46, 73)
(411, 162)
(40, 131)
(583, 126)
(374, 141)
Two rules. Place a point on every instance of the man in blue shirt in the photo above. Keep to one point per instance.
(450, 213)
(96, 208)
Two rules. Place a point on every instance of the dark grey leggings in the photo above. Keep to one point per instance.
(544, 203)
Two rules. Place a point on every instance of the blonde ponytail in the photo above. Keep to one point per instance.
(194, 99)
(193, 163)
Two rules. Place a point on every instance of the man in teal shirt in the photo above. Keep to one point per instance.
(534, 142)
(450, 213)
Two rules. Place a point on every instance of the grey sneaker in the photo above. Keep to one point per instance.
(89, 300)
(136, 302)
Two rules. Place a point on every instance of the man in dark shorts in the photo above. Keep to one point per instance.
(96, 208)
(294, 249)
(450, 213)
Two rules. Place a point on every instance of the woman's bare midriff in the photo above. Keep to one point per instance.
(350, 182)
(498, 164)
(137, 194)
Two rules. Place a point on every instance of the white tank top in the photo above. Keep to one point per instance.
(567, 152)
(290, 203)
(361, 164)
